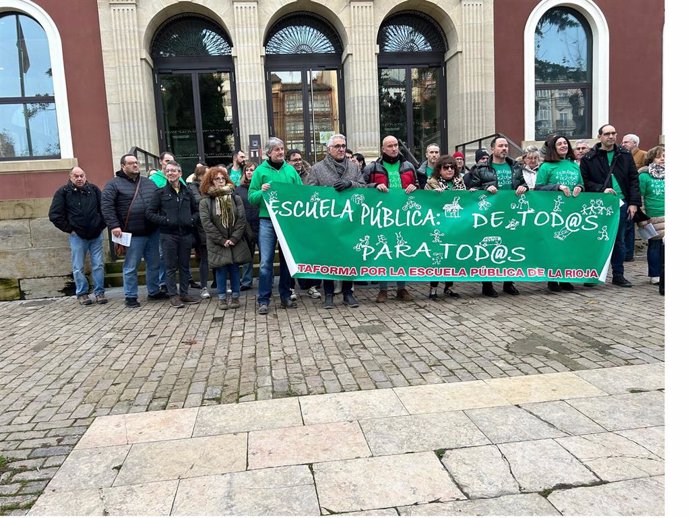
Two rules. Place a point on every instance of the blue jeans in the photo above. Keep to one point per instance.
(654, 247)
(383, 285)
(94, 247)
(618, 255)
(222, 280)
(148, 248)
(267, 247)
(629, 239)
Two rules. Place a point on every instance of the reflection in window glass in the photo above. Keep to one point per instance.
(563, 57)
(28, 122)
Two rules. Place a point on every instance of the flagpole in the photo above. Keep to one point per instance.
(21, 45)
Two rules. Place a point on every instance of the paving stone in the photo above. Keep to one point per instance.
(563, 416)
(306, 444)
(380, 482)
(93, 468)
(510, 423)
(151, 499)
(183, 458)
(548, 387)
(544, 464)
(422, 432)
(653, 439)
(283, 491)
(244, 417)
(481, 472)
(444, 398)
(530, 504)
(643, 497)
(632, 378)
(624, 411)
(350, 406)
(613, 457)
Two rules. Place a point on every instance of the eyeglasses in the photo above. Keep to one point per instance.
(447, 166)
(610, 133)
(339, 146)
(295, 160)
(219, 179)
(584, 148)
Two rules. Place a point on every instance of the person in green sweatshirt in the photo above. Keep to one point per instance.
(275, 169)
(559, 172)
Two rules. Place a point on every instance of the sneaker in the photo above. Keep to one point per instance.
(654, 281)
(163, 289)
(205, 294)
(222, 304)
(263, 309)
(195, 285)
(450, 293)
(235, 303)
(488, 290)
(328, 302)
(190, 299)
(132, 302)
(382, 296)
(158, 296)
(553, 286)
(432, 294)
(100, 299)
(510, 289)
(350, 301)
(293, 294)
(244, 287)
(313, 293)
(404, 295)
(566, 286)
(287, 303)
(176, 302)
(621, 281)
(85, 300)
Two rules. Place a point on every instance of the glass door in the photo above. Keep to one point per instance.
(196, 113)
(305, 109)
(410, 106)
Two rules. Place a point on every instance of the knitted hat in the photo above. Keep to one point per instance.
(479, 154)
(458, 154)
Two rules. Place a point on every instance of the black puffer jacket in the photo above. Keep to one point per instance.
(485, 176)
(251, 211)
(174, 212)
(115, 201)
(595, 170)
(77, 210)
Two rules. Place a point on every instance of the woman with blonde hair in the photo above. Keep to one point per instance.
(223, 217)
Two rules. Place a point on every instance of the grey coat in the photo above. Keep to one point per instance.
(324, 173)
(217, 234)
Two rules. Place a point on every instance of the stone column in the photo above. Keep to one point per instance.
(477, 69)
(250, 77)
(126, 82)
(361, 80)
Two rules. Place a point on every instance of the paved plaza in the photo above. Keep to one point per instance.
(538, 404)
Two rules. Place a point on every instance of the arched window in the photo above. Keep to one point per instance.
(563, 74)
(305, 83)
(28, 120)
(195, 91)
(412, 88)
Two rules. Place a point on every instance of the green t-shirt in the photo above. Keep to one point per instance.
(429, 170)
(504, 174)
(563, 172)
(393, 170)
(653, 191)
(235, 175)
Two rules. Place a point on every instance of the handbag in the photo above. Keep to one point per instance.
(120, 249)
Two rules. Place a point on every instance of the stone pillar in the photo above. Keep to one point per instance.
(477, 70)
(126, 82)
(361, 80)
(250, 77)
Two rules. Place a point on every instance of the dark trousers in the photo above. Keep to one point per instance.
(176, 251)
(629, 239)
(618, 255)
(329, 287)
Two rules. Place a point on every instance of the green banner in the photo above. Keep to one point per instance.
(364, 234)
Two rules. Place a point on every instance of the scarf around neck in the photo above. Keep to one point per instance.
(224, 205)
(657, 171)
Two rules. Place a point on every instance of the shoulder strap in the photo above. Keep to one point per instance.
(129, 209)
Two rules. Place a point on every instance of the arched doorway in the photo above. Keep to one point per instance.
(412, 81)
(304, 83)
(195, 93)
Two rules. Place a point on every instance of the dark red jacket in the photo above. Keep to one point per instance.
(375, 173)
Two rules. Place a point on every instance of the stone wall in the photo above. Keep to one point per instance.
(34, 255)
